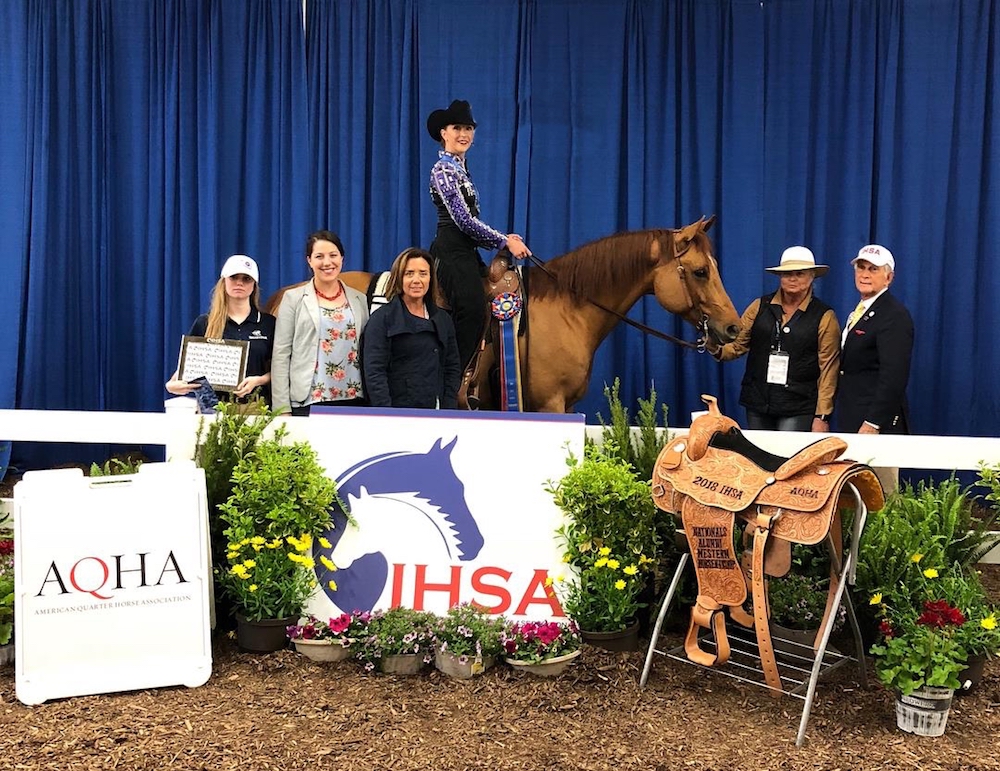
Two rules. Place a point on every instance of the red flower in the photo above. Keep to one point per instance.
(886, 629)
(340, 624)
(6, 547)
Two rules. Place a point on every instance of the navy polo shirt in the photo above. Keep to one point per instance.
(257, 329)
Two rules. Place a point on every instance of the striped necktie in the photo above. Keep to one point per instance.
(855, 315)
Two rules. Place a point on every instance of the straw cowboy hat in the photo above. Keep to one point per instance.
(798, 258)
(458, 113)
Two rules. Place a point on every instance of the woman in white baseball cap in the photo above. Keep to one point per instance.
(234, 314)
(792, 340)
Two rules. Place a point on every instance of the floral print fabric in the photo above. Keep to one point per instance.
(338, 366)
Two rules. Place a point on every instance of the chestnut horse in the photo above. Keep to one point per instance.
(566, 323)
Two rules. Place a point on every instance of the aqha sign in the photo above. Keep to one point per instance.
(445, 507)
(112, 582)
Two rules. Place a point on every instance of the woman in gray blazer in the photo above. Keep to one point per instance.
(316, 358)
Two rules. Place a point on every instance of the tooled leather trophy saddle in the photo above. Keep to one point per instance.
(714, 478)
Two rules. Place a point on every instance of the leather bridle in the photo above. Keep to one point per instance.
(699, 345)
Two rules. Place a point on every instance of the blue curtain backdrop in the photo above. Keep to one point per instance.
(142, 143)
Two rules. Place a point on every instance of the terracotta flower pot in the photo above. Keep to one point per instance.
(626, 639)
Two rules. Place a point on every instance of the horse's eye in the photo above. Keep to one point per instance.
(701, 273)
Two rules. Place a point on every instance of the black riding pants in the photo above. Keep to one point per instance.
(460, 273)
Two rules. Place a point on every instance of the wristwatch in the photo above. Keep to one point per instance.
(825, 418)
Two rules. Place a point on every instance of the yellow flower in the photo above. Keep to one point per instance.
(250, 564)
(566, 557)
(239, 571)
(601, 562)
(917, 557)
(295, 557)
(309, 562)
(548, 580)
(560, 578)
(327, 562)
(232, 546)
(644, 560)
(604, 551)
(253, 587)
(614, 564)
(619, 584)
(257, 540)
(876, 599)
(293, 541)
(325, 543)
(305, 542)
(275, 544)
(233, 555)
(630, 570)
(990, 622)
(332, 584)
(931, 573)
(257, 547)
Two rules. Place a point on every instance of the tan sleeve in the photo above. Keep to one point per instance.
(741, 344)
(829, 361)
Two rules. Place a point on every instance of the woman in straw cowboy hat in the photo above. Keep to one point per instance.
(460, 231)
(792, 342)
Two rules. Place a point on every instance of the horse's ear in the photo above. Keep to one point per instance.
(707, 223)
(446, 448)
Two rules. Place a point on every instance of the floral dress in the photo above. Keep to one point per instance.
(338, 366)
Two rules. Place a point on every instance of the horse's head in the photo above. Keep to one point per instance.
(687, 282)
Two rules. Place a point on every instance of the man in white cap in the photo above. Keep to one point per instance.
(876, 349)
(791, 339)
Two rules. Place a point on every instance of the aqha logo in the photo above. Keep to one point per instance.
(100, 576)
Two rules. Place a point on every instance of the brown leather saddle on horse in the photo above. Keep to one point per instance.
(715, 478)
(506, 299)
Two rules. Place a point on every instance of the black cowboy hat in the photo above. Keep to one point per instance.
(458, 113)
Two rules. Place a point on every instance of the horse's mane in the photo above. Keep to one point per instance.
(613, 260)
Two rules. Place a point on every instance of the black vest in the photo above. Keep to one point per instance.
(801, 342)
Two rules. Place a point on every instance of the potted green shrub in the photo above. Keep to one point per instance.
(280, 501)
(609, 514)
(466, 641)
(603, 600)
(922, 652)
(399, 641)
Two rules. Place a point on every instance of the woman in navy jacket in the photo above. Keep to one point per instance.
(409, 353)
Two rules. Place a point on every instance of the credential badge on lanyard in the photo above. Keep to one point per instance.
(777, 362)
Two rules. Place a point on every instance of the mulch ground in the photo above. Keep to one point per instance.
(282, 711)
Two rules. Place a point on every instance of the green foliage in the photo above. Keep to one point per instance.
(798, 601)
(6, 585)
(229, 438)
(269, 579)
(605, 595)
(934, 521)
(467, 630)
(396, 631)
(280, 500)
(618, 439)
(278, 490)
(115, 467)
(606, 506)
(6, 608)
(919, 656)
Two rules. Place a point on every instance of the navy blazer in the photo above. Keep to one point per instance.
(874, 369)
(403, 367)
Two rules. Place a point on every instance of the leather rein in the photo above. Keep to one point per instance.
(699, 345)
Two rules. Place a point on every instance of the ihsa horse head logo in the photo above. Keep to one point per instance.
(404, 504)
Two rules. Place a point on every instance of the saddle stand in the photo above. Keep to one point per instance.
(714, 479)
